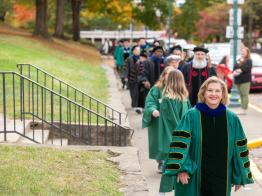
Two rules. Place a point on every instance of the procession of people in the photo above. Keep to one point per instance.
(198, 143)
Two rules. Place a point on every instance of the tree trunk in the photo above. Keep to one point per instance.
(60, 13)
(2, 16)
(41, 27)
(76, 18)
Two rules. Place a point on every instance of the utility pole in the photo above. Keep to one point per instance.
(169, 22)
(236, 32)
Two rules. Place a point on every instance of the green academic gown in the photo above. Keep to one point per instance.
(151, 104)
(185, 154)
(171, 112)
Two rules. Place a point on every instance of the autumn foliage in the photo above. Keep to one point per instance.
(23, 14)
(212, 23)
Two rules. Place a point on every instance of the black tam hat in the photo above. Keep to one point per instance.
(200, 48)
(177, 47)
(143, 53)
(158, 48)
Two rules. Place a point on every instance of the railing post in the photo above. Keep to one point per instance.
(52, 116)
(21, 97)
(120, 117)
(29, 89)
(37, 80)
(14, 100)
(4, 105)
(23, 104)
(42, 112)
(33, 110)
(105, 132)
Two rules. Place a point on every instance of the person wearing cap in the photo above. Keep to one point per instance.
(176, 50)
(154, 44)
(127, 48)
(143, 83)
(156, 65)
(131, 64)
(196, 72)
(119, 56)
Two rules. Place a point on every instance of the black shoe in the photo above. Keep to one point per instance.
(138, 111)
(159, 167)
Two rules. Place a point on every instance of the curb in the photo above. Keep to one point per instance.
(257, 175)
(254, 143)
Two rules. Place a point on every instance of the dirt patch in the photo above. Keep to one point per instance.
(69, 47)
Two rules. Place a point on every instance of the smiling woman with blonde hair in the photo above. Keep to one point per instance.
(208, 153)
(202, 90)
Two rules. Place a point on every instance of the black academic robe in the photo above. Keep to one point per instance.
(132, 79)
(142, 77)
(194, 78)
(154, 69)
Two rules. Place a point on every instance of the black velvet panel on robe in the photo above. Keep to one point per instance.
(198, 77)
(214, 155)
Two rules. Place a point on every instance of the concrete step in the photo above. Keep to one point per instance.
(57, 142)
(10, 137)
(37, 136)
(12, 125)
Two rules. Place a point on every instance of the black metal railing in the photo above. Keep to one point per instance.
(27, 100)
(52, 82)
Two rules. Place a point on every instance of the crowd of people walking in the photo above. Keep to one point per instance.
(198, 143)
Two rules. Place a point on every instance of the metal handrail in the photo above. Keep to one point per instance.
(75, 90)
(33, 93)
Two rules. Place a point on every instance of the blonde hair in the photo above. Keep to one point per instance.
(161, 81)
(175, 86)
(248, 56)
(204, 86)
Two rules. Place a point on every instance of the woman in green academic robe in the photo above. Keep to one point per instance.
(208, 154)
(151, 116)
(174, 104)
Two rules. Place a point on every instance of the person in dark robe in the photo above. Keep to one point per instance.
(127, 48)
(131, 64)
(156, 65)
(127, 53)
(208, 153)
(143, 83)
(154, 44)
(196, 72)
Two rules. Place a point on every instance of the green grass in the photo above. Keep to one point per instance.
(86, 75)
(46, 171)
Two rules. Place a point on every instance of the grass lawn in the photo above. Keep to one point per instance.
(46, 171)
(85, 73)
(76, 64)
